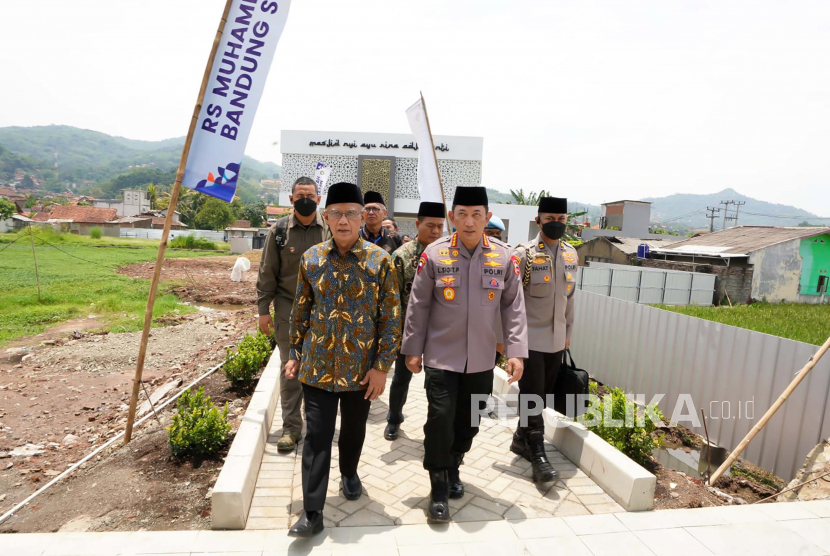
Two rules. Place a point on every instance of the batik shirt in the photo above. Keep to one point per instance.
(405, 259)
(346, 318)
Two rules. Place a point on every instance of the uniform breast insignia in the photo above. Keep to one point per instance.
(492, 255)
(448, 281)
(492, 263)
(444, 252)
(568, 257)
(494, 283)
(455, 252)
(422, 262)
(569, 288)
(491, 296)
(542, 245)
(539, 260)
(447, 261)
(449, 294)
(569, 277)
(547, 278)
(515, 262)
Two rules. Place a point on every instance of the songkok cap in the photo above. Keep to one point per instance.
(556, 205)
(470, 196)
(373, 197)
(344, 192)
(495, 223)
(429, 209)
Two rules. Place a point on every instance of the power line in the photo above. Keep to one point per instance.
(802, 216)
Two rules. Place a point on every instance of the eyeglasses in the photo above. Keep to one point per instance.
(337, 215)
(373, 209)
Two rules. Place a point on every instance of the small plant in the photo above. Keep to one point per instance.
(191, 241)
(199, 428)
(95, 232)
(619, 421)
(251, 354)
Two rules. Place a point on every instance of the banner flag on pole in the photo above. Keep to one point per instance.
(236, 82)
(429, 182)
(321, 177)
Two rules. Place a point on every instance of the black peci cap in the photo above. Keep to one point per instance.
(556, 205)
(344, 192)
(470, 196)
(373, 197)
(428, 209)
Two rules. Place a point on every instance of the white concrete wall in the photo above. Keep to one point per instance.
(299, 142)
(776, 272)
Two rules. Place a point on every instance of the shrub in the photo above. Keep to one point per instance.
(191, 241)
(199, 428)
(95, 232)
(251, 354)
(631, 438)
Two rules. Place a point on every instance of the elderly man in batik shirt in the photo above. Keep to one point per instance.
(345, 334)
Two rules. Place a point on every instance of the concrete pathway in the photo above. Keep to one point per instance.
(396, 486)
(787, 529)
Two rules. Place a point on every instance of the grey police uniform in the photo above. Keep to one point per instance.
(456, 299)
(549, 281)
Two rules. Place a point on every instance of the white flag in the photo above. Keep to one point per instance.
(429, 184)
(321, 176)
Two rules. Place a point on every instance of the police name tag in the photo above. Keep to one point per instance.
(540, 274)
(489, 271)
(447, 270)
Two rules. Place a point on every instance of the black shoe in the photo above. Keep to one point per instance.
(520, 448)
(439, 504)
(456, 487)
(543, 471)
(309, 524)
(391, 432)
(352, 487)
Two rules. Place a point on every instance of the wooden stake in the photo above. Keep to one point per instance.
(37, 275)
(168, 221)
(435, 158)
(805, 370)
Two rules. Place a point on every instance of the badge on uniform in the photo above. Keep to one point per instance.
(568, 257)
(492, 255)
(447, 261)
(569, 277)
(539, 260)
(448, 281)
(422, 261)
(492, 263)
(443, 252)
(569, 288)
(455, 252)
(515, 262)
(449, 294)
(491, 296)
(547, 278)
(494, 283)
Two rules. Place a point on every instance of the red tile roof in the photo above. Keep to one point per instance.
(277, 211)
(86, 215)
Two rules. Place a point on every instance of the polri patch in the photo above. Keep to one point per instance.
(515, 262)
(422, 262)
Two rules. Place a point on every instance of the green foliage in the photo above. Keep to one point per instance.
(31, 201)
(214, 215)
(663, 231)
(153, 194)
(11, 162)
(138, 178)
(7, 209)
(251, 354)
(802, 322)
(530, 198)
(191, 241)
(199, 428)
(255, 213)
(71, 287)
(27, 182)
(95, 232)
(631, 438)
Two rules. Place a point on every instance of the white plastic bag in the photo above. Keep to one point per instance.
(240, 267)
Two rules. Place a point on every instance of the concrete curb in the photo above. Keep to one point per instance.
(620, 477)
(234, 489)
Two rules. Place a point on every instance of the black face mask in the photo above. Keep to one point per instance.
(553, 230)
(305, 206)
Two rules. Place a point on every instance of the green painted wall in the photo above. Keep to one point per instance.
(815, 262)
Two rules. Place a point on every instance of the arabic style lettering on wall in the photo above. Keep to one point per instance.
(443, 147)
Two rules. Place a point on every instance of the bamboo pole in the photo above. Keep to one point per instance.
(168, 221)
(435, 158)
(37, 275)
(805, 370)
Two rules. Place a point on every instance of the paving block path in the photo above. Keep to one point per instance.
(396, 486)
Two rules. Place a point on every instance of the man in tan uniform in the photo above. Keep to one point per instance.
(287, 240)
(464, 285)
(548, 267)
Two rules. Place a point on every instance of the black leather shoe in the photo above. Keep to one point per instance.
(519, 447)
(543, 471)
(439, 504)
(391, 432)
(309, 524)
(352, 487)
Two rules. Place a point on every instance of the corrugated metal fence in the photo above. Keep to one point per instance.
(149, 233)
(733, 374)
(647, 285)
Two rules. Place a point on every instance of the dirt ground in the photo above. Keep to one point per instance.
(205, 280)
(66, 391)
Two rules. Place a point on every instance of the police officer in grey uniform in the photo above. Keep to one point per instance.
(464, 284)
(548, 268)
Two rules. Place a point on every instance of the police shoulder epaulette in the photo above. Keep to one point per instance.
(566, 244)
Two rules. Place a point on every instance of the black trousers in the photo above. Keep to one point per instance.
(538, 379)
(398, 390)
(452, 416)
(321, 416)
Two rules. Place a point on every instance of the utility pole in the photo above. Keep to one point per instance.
(37, 275)
(711, 217)
(738, 205)
(726, 212)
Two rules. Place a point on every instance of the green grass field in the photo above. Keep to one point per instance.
(77, 279)
(800, 322)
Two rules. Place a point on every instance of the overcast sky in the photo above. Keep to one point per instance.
(592, 100)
